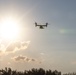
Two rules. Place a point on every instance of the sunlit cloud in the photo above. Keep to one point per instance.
(2, 49)
(19, 58)
(23, 58)
(33, 59)
(28, 59)
(13, 47)
(16, 46)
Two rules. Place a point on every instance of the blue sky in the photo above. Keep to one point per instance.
(51, 48)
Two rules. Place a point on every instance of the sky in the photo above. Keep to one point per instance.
(53, 47)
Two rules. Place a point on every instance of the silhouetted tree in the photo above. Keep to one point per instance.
(48, 72)
(70, 73)
(40, 71)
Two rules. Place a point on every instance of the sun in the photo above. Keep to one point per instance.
(9, 28)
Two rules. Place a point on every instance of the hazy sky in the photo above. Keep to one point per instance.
(51, 48)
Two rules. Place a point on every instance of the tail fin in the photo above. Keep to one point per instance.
(46, 24)
(35, 24)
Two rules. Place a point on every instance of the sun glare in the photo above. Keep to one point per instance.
(9, 29)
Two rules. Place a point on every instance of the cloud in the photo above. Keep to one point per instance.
(13, 47)
(19, 58)
(27, 59)
(1, 53)
(33, 60)
(2, 49)
(23, 58)
(16, 46)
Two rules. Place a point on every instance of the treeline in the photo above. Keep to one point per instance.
(74, 73)
(34, 71)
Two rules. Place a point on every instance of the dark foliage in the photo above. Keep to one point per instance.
(40, 71)
(74, 73)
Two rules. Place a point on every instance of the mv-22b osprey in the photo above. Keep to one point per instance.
(41, 26)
